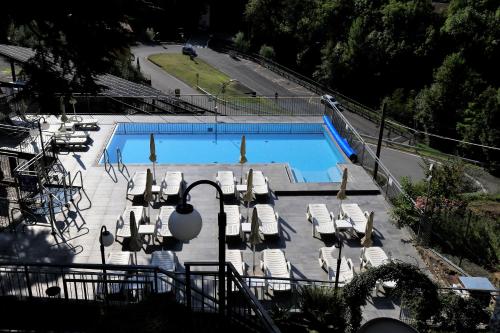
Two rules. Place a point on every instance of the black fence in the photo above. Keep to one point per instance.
(120, 285)
(203, 104)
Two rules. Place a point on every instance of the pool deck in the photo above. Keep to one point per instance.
(78, 240)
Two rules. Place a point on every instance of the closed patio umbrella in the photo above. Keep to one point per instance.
(341, 194)
(148, 193)
(135, 244)
(367, 240)
(72, 101)
(254, 234)
(62, 108)
(243, 157)
(152, 154)
(249, 193)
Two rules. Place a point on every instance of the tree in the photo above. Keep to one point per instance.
(441, 105)
(74, 42)
(241, 44)
(267, 51)
(480, 124)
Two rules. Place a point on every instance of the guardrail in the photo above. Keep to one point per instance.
(390, 186)
(320, 89)
(125, 284)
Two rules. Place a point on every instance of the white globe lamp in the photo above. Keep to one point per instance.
(185, 222)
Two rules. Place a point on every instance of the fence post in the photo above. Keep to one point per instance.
(188, 287)
(65, 287)
(28, 282)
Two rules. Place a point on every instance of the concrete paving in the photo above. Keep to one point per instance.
(77, 239)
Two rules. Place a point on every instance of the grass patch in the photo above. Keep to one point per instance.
(236, 95)
(185, 69)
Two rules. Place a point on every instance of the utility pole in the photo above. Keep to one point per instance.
(379, 143)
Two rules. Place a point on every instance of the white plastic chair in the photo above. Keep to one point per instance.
(328, 261)
(268, 220)
(162, 229)
(227, 182)
(260, 184)
(275, 265)
(137, 184)
(172, 183)
(356, 216)
(233, 225)
(167, 261)
(123, 220)
(322, 220)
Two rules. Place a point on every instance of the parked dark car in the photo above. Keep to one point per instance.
(331, 102)
(189, 50)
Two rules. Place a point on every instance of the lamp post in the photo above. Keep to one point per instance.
(185, 224)
(105, 239)
(222, 90)
(340, 244)
(427, 201)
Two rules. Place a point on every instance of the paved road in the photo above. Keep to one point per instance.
(159, 78)
(266, 82)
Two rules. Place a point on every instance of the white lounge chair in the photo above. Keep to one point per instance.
(115, 278)
(260, 183)
(167, 261)
(233, 226)
(137, 184)
(172, 183)
(373, 257)
(356, 216)
(162, 229)
(268, 220)
(70, 141)
(123, 221)
(235, 257)
(84, 123)
(227, 182)
(63, 132)
(328, 261)
(275, 265)
(322, 220)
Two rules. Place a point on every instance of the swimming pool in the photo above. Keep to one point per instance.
(307, 148)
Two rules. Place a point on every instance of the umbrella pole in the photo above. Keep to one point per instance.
(154, 173)
(340, 208)
(253, 249)
(241, 178)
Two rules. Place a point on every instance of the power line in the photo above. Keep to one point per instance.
(444, 137)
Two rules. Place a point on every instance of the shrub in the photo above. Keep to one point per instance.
(323, 309)
(267, 52)
(460, 315)
(241, 43)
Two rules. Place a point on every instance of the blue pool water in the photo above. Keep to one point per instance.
(309, 151)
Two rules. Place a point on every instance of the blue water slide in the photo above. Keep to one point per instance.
(342, 142)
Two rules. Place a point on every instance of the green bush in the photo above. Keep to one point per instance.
(241, 43)
(458, 314)
(267, 52)
(323, 309)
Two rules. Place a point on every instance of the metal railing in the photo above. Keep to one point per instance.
(389, 185)
(126, 284)
(320, 89)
